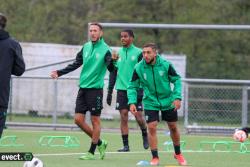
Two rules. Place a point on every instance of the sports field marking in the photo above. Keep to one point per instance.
(110, 133)
(134, 152)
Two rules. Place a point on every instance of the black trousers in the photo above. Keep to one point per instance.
(3, 113)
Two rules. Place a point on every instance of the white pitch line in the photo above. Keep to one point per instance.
(135, 152)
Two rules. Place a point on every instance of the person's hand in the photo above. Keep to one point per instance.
(54, 75)
(133, 109)
(115, 55)
(109, 98)
(177, 104)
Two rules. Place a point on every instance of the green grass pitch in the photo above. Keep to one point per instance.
(68, 156)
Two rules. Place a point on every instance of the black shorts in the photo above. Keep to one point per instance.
(89, 99)
(167, 115)
(122, 100)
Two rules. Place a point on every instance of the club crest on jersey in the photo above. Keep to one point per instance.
(145, 76)
(132, 58)
(161, 73)
(97, 55)
(86, 54)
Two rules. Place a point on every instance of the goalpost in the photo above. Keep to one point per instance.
(245, 84)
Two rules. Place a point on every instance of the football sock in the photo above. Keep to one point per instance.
(144, 132)
(99, 142)
(154, 153)
(177, 150)
(125, 140)
(92, 148)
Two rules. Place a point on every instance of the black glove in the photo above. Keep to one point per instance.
(109, 98)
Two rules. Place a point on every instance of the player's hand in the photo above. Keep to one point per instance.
(115, 55)
(177, 104)
(109, 98)
(133, 109)
(54, 75)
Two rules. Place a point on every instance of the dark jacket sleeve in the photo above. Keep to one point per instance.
(109, 62)
(18, 67)
(133, 86)
(73, 66)
(112, 80)
(112, 71)
(140, 57)
(176, 80)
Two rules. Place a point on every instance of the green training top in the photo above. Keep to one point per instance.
(155, 80)
(128, 58)
(94, 67)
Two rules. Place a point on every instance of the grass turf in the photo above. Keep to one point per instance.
(68, 157)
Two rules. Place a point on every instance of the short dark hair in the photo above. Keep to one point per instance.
(96, 24)
(129, 31)
(151, 45)
(3, 20)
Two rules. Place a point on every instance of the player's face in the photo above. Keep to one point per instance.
(95, 33)
(126, 40)
(149, 55)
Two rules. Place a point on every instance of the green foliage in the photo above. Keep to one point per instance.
(210, 53)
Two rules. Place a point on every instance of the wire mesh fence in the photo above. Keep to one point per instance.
(210, 106)
(216, 105)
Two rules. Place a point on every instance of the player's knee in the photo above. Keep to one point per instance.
(173, 129)
(124, 118)
(141, 122)
(78, 120)
(152, 128)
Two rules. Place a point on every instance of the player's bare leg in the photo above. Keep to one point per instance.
(81, 123)
(96, 128)
(153, 142)
(142, 123)
(175, 136)
(124, 130)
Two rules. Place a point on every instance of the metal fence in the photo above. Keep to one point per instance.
(41, 96)
(215, 106)
(210, 106)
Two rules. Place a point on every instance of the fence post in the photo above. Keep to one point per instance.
(186, 104)
(55, 104)
(244, 106)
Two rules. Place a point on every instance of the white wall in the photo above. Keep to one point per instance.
(37, 94)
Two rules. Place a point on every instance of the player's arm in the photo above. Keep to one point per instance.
(111, 85)
(134, 85)
(176, 80)
(71, 67)
(112, 76)
(140, 90)
(111, 65)
(109, 61)
(19, 64)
